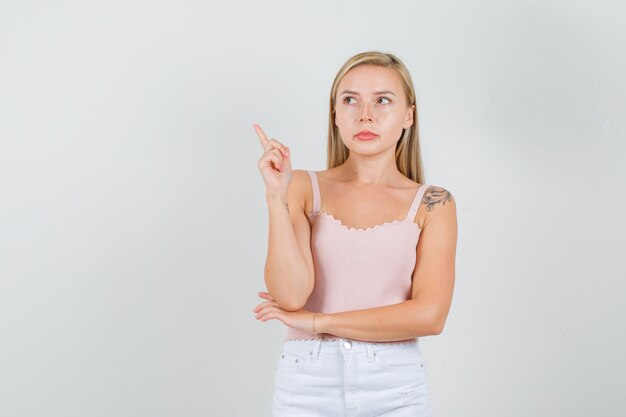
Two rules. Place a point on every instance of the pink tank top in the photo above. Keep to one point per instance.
(355, 268)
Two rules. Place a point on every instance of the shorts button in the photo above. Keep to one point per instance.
(347, 345)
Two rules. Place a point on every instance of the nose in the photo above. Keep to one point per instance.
(366, 114)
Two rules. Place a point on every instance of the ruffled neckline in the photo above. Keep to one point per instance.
(356, 229)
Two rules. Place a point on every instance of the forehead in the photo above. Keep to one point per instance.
(369, 78)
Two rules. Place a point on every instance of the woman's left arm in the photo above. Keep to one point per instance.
(433, 282)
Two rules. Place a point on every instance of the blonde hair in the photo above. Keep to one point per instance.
(408, 154)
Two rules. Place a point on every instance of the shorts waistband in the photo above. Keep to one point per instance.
(345, 346)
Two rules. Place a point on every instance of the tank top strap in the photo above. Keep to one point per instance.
(415, 205)
(316, 191)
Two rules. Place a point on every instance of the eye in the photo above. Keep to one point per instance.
(384, 98)
(347, 98)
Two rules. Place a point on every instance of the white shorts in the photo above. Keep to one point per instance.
(350, 378)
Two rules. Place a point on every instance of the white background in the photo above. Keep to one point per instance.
(133, 221)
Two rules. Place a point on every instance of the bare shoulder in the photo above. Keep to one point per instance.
(436, 196)
(440, 205)
(331, 174)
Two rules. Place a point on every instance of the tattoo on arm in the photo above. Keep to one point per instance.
(287, 207)
(436, 195)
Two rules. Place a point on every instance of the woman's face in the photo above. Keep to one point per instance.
(371, 98)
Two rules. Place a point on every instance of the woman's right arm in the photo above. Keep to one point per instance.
(289, 271)
(289, 274)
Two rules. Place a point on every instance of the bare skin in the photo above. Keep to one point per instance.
(368, 190)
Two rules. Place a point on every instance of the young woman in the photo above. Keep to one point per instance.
(361, 256)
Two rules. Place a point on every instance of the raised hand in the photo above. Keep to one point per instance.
(274, 164)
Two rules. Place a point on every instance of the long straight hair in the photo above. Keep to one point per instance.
(408, 153)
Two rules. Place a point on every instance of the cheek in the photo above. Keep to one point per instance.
(394, 118)
(344, 117)
(348, 112)
(388, 112)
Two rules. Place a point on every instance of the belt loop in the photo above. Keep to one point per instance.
(370, 351)
(315, 351)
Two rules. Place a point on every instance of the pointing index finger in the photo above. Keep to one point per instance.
(262, 137)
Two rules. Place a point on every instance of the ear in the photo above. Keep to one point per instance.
(408, 122)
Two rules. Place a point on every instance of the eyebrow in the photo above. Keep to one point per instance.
(375, 93)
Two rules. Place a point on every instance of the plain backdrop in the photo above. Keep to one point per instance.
(133, 220)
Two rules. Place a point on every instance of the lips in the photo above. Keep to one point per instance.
(365, 135)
